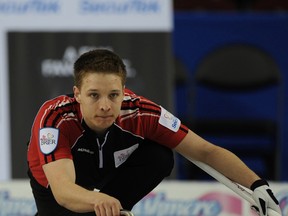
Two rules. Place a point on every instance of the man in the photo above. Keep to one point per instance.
(104, 148)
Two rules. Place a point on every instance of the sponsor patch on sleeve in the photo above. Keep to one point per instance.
(48, 139)
(169, 121)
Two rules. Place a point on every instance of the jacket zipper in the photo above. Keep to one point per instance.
(100, 147)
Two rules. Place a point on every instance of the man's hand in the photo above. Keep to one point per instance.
(264, 197)
(126, 213)
(107, 205)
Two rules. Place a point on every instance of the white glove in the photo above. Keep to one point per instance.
(264, 197)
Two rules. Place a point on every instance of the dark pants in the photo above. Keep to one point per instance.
(129, 183)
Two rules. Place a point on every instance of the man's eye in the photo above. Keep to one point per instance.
(114, 95)
(93, 95)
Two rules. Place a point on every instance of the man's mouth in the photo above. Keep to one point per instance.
(105, 117)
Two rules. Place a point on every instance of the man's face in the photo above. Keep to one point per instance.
(100, 98)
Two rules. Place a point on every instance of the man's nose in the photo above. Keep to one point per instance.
(105, 104)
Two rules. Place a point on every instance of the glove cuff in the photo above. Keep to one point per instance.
(258, 183)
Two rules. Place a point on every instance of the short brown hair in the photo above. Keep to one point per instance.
(98, 61)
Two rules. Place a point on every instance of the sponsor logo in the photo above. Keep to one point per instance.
(64, 67)
(121, 156)
(120, 7)
(168, 120)
(208, 204)
(85, 150)
(30, 6)
(48, 139)
(157, 204)
(16, 206)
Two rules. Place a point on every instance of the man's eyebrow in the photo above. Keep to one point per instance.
(92, 90)
(96, 90)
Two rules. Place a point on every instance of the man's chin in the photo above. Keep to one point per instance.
(105, 124)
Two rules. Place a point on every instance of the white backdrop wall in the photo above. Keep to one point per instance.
(67, 16)
(169, 198)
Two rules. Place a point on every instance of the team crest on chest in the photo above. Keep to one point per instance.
(48, 139)
(121, 156)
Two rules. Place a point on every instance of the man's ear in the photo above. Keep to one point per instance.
(77, 94)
